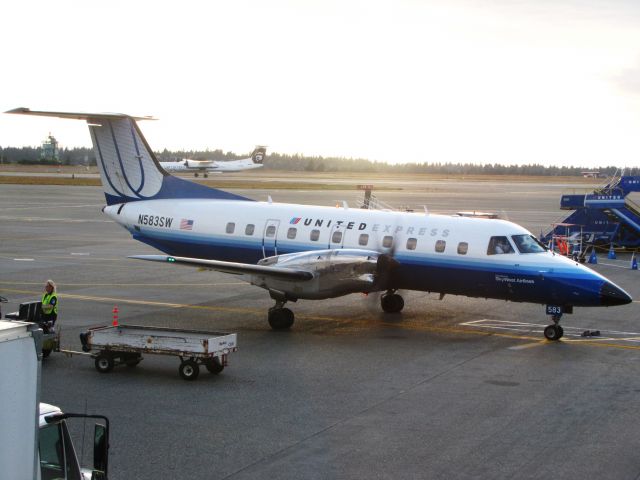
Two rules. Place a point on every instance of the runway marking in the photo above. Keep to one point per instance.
(57, 220)
(614, 265)
(41, 206)
(572, 334)
(528, 345)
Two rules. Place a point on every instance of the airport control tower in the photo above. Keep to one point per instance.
(50, 150)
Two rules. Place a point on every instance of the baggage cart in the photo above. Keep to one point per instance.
(125, 345)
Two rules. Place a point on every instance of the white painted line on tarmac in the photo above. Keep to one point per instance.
(527, 345)
(574, 332)
(79, 253)
(23, 259)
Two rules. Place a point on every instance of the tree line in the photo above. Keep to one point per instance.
(302, 163)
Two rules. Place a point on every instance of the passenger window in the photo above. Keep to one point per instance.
(271, 231)
(315, 235)
(463, 248)
(411, 243)
(387, 241)
(440, 246)
(231, 227)
(364, 239)
(499, 245)
(250, 229)
(291, 233)
(336, 237)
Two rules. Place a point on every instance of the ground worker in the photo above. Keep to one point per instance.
(49, 306)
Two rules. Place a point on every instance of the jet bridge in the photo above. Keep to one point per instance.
(608, 216)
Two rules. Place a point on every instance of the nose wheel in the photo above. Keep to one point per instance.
(554, 332)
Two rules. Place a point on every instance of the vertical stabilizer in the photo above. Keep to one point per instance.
(128, 168)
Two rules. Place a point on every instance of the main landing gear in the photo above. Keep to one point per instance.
(280, 318)
(391, 302)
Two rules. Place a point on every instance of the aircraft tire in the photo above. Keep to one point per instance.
(280, 318)
(189, 370)
(195, 175)
(104, 363)
(214, 365)
(553, 332)
(392, 303)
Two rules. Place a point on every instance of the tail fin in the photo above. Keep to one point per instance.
(258, 154)
(128, 168)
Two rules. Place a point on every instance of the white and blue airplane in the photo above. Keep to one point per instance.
(205, 167)
(312, 252)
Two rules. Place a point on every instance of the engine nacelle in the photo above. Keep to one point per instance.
(335, 273)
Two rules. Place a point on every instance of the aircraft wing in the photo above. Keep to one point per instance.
(232, 267)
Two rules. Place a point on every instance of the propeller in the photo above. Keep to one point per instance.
(386, 266)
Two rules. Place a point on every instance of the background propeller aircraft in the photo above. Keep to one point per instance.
(205, 167)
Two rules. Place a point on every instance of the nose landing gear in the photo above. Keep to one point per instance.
(555, 332)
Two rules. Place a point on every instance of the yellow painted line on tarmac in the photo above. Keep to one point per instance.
(253, 311)
(217, 284)
(535, 341)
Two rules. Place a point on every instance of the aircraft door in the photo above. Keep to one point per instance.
(336, 237)
(270, 238)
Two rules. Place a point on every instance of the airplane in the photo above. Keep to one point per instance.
(214, 166)
(300, 252)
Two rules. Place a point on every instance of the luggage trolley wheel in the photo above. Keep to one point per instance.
(104, 362)
(189, 369)
(214, 365)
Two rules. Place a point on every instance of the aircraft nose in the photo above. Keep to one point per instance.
(611, 295)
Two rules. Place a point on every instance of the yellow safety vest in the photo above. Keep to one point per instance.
(47, 308)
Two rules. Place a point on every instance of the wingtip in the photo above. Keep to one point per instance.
(19, 110)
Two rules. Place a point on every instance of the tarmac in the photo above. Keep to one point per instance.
(457, 388)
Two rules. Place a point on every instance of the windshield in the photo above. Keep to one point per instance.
(528, 244)
(499, 246)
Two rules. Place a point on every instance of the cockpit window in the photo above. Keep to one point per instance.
(528, 244)
(499, 245)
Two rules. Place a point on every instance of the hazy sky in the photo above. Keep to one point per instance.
(546, 81)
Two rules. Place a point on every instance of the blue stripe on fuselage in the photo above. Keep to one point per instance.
(435, 273)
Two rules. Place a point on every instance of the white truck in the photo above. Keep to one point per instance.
(35, 442)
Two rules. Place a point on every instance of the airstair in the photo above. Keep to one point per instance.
(608, 217)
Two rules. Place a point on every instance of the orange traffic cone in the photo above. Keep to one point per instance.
(115, 315)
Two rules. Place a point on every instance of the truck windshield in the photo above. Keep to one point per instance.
(528, 244)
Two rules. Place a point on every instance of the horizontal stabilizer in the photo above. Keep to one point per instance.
(231, 267)
(74, 115)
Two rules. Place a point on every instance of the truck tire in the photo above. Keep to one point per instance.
(46, 352)
(214, 365)
(189, 370)
(104, 363)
